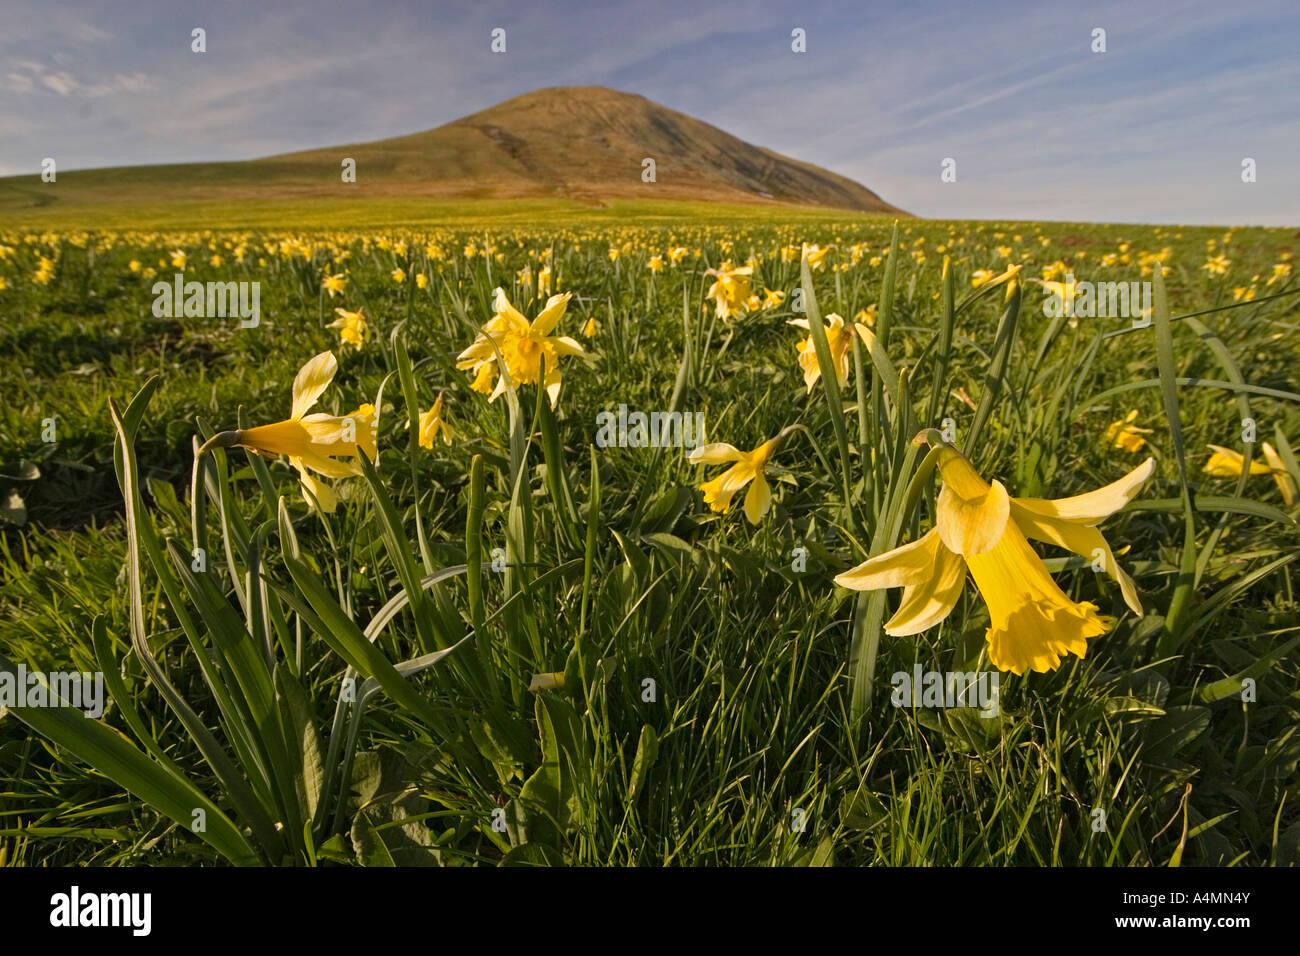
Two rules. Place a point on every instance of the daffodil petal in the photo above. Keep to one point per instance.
(503, 307)
(970, 526)
(312, 379)
(1285, 483)
(564, 345)
(551, 314)
(932, 598)
(1083, 540)
(716, 453)
(553, 383)
(906, 565)
(758, 500)
(1090, 508)
(315, 491)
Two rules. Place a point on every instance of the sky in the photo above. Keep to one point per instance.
(1040, 126)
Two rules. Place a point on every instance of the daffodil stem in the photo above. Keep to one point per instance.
(199, 503)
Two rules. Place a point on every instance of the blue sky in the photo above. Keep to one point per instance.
(1153, 130)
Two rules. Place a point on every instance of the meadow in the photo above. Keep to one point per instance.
(507, 642)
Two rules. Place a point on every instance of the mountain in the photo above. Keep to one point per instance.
(576, 143)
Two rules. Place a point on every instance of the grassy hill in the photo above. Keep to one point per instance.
(577, 148)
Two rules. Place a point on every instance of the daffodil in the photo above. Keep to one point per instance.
(399, 275)
(746, 467)
(1226, 463)
(432, 425)
(334, 284)
(730, 291)
(351, 325)
(981, 529)
(815, 255)
(656, 264)
(522, 344)
(1063, 294)
(1217, 265)
(179, 258)
(591, 328)
(1125, 435)
(315, 442)
(773, 299)
(838, 337)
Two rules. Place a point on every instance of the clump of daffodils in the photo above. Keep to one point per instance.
(981, 529)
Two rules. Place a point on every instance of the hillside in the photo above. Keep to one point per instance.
(582, 144)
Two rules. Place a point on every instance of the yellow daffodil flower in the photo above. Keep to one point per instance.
(748, 467)
(1226, 463)
(773, 299)
(1125, 435)
(314, 442)
(816, 256)
(591, 328)
(730, 291)
(352, 326)
(980, 528)
(838, 337)
(656, 264)
(334, 284)
(1217, 266)
(522, 345)
(399, 275)
(179, 258)
(433, 426)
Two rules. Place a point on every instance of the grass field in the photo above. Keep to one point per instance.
(592, 665)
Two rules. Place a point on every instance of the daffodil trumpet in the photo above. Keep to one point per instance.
(981, 530)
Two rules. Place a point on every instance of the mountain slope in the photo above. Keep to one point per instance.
(576, 143)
